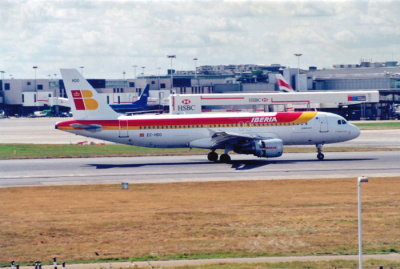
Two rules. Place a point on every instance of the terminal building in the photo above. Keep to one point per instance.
(24, 96)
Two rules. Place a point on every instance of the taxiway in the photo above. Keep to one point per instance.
(195, 168)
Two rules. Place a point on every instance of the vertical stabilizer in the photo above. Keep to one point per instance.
(86, 104)
(283, 85)
(143, 97)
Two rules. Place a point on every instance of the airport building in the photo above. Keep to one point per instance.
(24, 96)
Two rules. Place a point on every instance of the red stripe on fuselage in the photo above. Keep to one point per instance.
(280, 118)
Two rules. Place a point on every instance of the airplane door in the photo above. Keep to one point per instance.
(123, 128)
(323, 124)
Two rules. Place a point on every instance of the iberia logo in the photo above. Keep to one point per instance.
(186, 101)
(83, 100)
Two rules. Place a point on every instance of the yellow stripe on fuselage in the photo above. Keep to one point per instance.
(306, 117)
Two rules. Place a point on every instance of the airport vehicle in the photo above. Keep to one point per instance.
(260, 134)
(396, 110)
(43, 113)
(139, 105)
(282, 84)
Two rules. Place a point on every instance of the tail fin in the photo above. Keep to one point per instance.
(86, 104)
(143, 97)
(283, 85)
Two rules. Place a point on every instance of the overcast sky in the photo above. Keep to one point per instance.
(109, 37)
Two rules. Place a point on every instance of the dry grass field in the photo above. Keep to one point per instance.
(335, 264)
(211, 219)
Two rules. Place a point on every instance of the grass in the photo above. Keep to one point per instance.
(20, 151)
(197, 220)
(335, 264)
(377, 125)
(35, 151)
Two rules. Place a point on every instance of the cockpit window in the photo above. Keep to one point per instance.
(344, 122)
(339, 122)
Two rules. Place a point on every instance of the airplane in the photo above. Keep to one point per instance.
(263, 134)
(282, 84)
(139, 105)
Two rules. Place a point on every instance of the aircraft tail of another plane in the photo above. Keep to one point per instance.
(86, 103)
(142, 101)
(283, 85)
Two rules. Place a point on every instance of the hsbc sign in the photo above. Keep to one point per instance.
(182, 104)
(258, 100)
(186, 106)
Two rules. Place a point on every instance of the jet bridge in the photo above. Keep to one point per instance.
(198, 103)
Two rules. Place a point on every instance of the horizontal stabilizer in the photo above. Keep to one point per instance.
(87, 127)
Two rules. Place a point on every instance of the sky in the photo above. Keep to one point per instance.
(108, 38)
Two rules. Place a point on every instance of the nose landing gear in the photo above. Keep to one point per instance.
(320, 155)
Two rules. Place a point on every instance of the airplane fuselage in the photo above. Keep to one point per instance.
(169, 131)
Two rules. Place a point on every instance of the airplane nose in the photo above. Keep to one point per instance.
(355, 132)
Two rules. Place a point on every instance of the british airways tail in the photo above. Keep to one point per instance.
(283, 85)
(85, 101)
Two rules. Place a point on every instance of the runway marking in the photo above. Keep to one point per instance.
(195, 172)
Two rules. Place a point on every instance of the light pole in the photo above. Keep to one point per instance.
(171, 57)
(123, 75)
(134, 70)
(298, 55)
(360, 252)
(35, 68)
(195, 67)
(2, 79)
(158, 77)
(143, 67)
(81, 67)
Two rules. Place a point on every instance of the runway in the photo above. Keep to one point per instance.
(195, 168)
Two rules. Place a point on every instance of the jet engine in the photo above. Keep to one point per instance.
(261, 148)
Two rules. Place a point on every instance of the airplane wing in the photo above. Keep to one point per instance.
(222, 139)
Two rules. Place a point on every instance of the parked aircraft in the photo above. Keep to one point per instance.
(260, 134)
(282, 84)
(138, 105)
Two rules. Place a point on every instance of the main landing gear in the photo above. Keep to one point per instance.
(320, 155)
(212, 156)
(224, 158)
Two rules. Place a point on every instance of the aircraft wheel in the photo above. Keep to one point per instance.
(320, 156)
(212, 156)
(225, 158)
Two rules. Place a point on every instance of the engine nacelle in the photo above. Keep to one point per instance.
(268, 148)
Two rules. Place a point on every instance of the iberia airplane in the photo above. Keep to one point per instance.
(260, 134)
